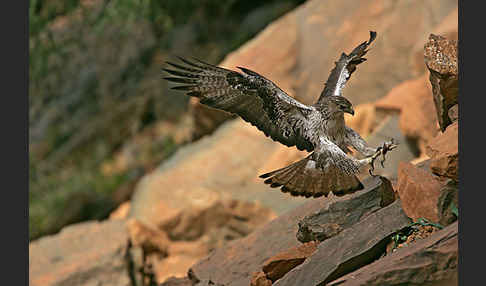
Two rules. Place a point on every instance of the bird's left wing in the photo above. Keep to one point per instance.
(345, 66)
(251, 96)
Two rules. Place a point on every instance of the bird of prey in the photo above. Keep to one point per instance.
(317, 128)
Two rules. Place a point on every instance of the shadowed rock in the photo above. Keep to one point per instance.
(430, 261)
(351, 249)
(340, 215)
(448, 202)
(241, 258)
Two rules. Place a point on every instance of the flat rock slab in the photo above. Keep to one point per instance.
(430, 261)
(90, 253)
(243, 257)
(335, 217)
(351, 249)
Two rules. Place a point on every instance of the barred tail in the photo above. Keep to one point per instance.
(305, 178)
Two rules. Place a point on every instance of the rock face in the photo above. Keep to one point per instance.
(90, 253)
(441, 60)
(221, 167)
(413, 99)
(354, 247)
(246, 256)
(430, 261)
(419, 191)
(194, 219)
(444, 153)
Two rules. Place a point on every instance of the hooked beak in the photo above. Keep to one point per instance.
(349, 110)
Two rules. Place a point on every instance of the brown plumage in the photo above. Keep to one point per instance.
(318, 128)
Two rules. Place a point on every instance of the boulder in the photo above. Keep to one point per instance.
(245, 257)
(429, 261)
(419, 191)
(208, 175)
(444, 153)
(278, 265)
(441, 60)
(447, 28)
(351, 249)
(89, 253)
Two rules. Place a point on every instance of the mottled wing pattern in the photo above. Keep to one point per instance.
(345, 66)
(327, 169)
(251, 96)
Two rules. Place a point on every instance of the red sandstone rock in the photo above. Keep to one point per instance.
(419, 191)
(278, 265)
(441, 60)
(444, 153)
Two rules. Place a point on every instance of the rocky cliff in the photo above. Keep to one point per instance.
(204, 218)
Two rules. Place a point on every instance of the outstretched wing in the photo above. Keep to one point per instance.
(345, 66)
(327, 169)
(251, 96)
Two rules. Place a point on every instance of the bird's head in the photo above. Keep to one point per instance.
(340, 104)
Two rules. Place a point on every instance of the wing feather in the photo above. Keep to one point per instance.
(251, 96)
(343, 69)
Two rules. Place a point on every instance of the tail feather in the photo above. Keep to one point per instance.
(305, 178)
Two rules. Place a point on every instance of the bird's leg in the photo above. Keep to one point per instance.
(373, 157)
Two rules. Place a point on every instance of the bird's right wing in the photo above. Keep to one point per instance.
(251, 96)
(345, 66)
(327, 169)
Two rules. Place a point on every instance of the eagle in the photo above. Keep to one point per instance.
(318, 128)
